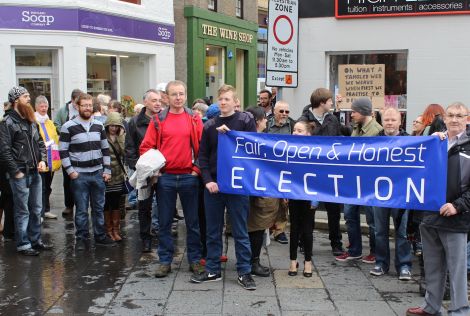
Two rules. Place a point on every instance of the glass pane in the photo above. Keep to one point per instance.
(39, 58)
(101, 75)
(37, 87)
(215, 70)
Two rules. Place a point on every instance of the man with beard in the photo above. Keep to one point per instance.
(84, 151)
(265, 97)
(136, 133)
(24, 156)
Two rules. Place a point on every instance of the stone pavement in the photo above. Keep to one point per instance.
(119, 281)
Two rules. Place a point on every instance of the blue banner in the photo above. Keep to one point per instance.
(400, 172)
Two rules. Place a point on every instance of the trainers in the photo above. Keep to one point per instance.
(346, 257)
(223, 258)
(80, 245)
(369, 259)
(162, 270)
(377, 271)
(281, 238)
(43, 246)
(50, 215)
(67, 211)
(106, 242)
(196, 267)
(247, 282)
(29, 252)
(337, 250)
(205, 277)
(415, 311)
(405, 274)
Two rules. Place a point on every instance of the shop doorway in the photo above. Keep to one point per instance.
(240, 75)
(215, 71)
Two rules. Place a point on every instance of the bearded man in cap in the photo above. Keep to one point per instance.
(365, 125)
(23, 156)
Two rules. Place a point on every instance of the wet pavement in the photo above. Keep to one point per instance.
(119, 281)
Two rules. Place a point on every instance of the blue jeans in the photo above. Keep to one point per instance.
(89, 186)
(468, 256)
(155, 223)
(27, 206)
(402, 245)
(131, 196)
(187, 187)
(237, 208)
(353, 224)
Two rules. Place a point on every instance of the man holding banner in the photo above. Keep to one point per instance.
(216, 202)
(444, 234)
(365, 125)
(391, 119)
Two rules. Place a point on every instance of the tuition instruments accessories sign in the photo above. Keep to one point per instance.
(407, 172)
(378, 8)
(282, 53)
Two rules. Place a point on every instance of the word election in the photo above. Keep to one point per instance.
(379, 171)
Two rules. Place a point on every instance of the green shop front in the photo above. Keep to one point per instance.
(221, 50)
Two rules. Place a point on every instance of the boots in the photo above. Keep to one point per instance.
(257, 269)
(116, 222)
(108, 224)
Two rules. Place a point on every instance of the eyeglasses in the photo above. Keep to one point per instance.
(457, 116)
(417, 122)
(284, 111)
(86, 106)
(175, 95)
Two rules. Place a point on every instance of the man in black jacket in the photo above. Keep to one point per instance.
(318, 111)
(136, 132)
(23, 156)
(444, 233)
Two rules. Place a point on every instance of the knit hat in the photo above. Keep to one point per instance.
(362, 106)
(15, 93)
(213, 111)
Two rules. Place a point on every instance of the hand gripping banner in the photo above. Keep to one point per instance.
(405, 172)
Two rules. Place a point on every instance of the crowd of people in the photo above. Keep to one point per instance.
(98, 150)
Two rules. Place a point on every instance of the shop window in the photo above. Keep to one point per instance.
(262, 48)
(35, 58)
(212, 5)
(101, 75)
(395, 89)
(131, 1)
(239, 9)
(214, 70)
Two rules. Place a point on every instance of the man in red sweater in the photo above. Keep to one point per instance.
(176, 132)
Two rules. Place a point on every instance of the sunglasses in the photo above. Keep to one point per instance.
(284, 111)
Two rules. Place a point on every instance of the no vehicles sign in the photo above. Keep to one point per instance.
(283, 30)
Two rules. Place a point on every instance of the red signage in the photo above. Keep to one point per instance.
(378, 8)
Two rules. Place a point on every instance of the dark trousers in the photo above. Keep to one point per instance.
(145, 216)
(333, 211)
(68, 195)
(46, 191)
(256, 241)
(301, 227)
(202, 219)
(6, 203)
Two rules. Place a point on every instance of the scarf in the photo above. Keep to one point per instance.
(41, 118)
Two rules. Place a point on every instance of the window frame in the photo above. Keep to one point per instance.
(239, 9)
(213, 6)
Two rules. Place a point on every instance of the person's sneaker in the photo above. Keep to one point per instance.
(259, 270)
(281, 238)
(223, 258)
(50, 215)
(29, 252)
(80, 245)
(369, 259)
(337, 251)
(106, 242)
(417, 311)
(347, 257)
(205, 277)
(196, 267)
(67, 211)
(43, 246)
(405, 274)
(377, 271)
(202, 262)
(247, 282)
(162, 270)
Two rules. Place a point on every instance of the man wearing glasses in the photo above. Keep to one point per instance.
(444, 232)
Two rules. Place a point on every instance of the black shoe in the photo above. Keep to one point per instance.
(178, 217)
(80, 245)
(67, 211)
(293, 272)
(337, 250)
(147, 246)
(282, 239)
(247, 282)
(43, 246)
(259, 270)
(29, 252)
(205, 277)
(105, 242)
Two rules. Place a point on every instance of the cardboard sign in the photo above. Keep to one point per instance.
(357, 81)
